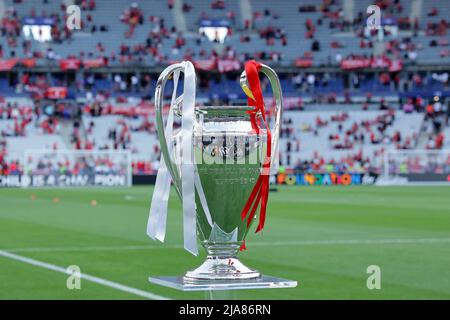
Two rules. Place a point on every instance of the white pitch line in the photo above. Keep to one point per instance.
(87, 277)
(253, 244)
(357, 241)
(93, 248)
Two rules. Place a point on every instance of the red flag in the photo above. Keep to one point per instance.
(93, 63)
(303, 62)
(56, 92)
(228, 65)
(69, 64)
(395, 65)
(7, 64)
(207, 65)
(28, 62)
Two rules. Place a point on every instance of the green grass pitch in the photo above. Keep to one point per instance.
(323, 237)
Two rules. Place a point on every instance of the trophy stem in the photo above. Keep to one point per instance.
(221, 264)
(228, 250)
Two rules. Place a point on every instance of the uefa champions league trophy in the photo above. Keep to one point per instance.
(219, 162)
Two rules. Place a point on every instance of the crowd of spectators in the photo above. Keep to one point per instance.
(354, 163)
(265, 23)
(420, 164)
(264, 26)
(436, 119)
(351, 135)
(78, 165)
(8, 166)
(396, 46)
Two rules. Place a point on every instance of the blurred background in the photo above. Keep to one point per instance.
(353, 95)
(366, 102)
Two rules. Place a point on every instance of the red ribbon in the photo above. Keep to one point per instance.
(260, 192)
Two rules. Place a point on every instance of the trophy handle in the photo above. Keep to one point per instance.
(163, 140)
(278, 96)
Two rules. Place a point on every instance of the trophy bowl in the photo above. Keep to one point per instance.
(228, 161)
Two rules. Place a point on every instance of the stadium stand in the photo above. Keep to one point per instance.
(392, 94)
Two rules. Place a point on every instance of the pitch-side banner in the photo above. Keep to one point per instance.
(332, 178)
(426, 177)
(80, 180)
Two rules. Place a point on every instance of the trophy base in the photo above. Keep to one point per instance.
(222, 273)
(218, 268)
(262, 282)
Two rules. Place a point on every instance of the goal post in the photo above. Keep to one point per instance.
(77, 168)
(416, 167)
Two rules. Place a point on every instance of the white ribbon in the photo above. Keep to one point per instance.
(190, 180)
(156, 227)
(275, 165)
(187, 161)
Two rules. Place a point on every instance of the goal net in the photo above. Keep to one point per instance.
(403, 167)
(77, 168)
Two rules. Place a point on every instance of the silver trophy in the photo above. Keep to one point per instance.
(228, 157)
